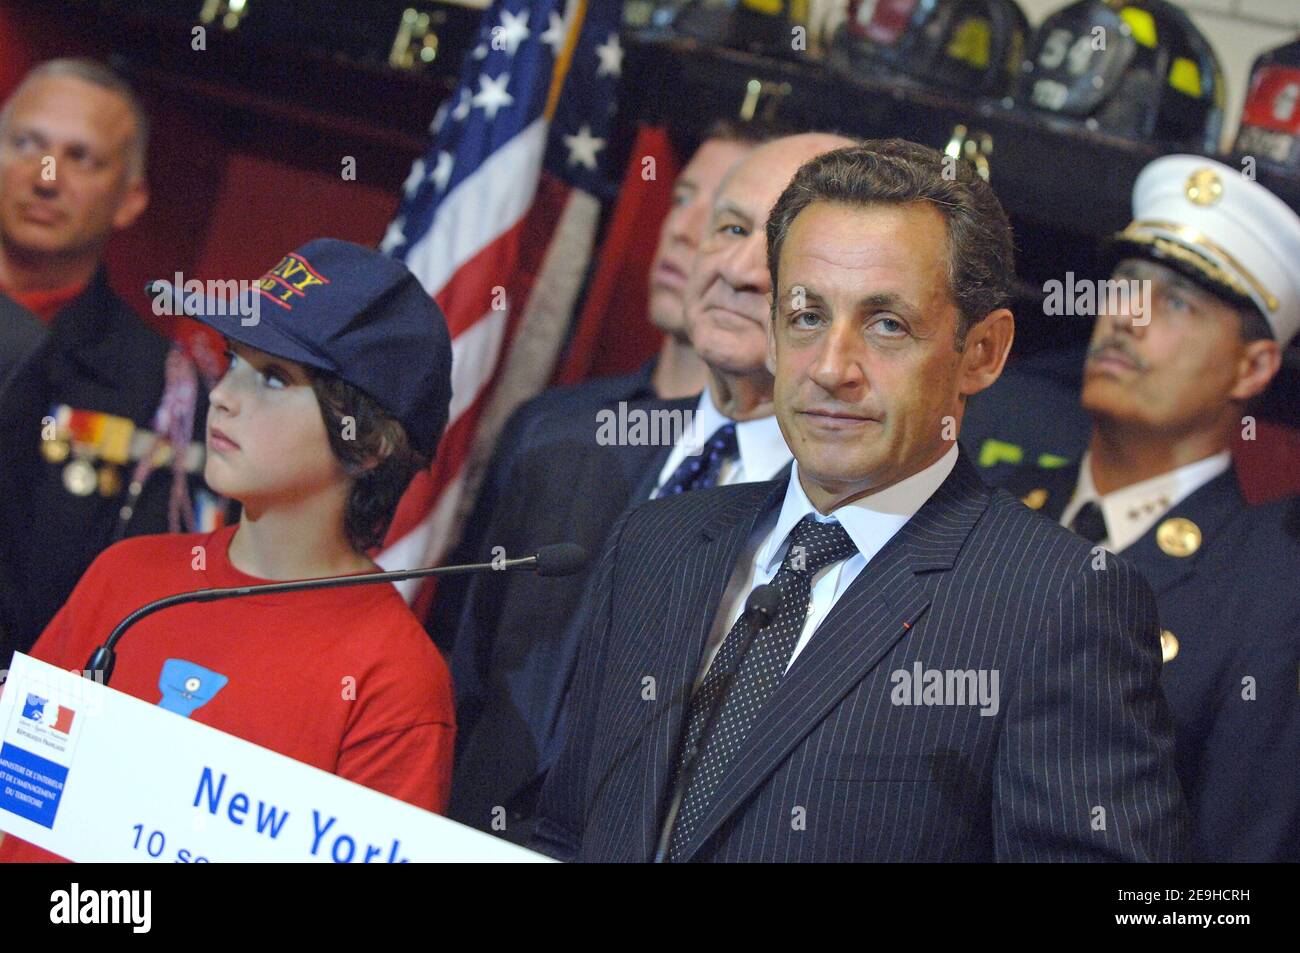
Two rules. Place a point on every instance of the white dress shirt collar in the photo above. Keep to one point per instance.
(871, 521)
(706, 421)
(1132, 510)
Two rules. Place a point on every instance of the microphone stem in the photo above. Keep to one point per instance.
(103, 658)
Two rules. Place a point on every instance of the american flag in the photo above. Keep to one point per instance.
(497, 222)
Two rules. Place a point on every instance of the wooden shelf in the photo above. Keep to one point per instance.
(260, 84)
(1045, 170)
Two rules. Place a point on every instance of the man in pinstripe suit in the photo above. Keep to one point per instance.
(923, 671)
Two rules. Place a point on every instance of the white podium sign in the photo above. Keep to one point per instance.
(93, 774)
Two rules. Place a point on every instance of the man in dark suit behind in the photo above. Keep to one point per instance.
(925, 671)
(674, 374)
(554, 478)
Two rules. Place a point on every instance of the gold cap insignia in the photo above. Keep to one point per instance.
(1204, 187)
(1168, 646)
(1034, 499)
(1177, 536)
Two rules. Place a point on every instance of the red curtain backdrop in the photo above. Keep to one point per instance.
(215, 212)
(614, 335)
(1269, 465)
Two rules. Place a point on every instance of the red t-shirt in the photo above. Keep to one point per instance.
(343, 679)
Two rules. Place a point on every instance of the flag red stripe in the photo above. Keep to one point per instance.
(467, 295)
(618, 288)
(526, 245)
(422, 495)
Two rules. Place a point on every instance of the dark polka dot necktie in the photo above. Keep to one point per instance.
(813, 545)
(700, 471)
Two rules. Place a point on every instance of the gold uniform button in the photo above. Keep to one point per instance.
(1178, 536)
(79, 478)
(1204, 187)
(1168, 645)
(55, 451)
(1034, 499)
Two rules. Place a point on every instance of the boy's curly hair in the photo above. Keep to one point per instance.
(374, 449)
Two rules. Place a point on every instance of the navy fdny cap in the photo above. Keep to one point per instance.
(363, 317)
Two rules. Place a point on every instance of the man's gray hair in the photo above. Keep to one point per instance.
(97, 74)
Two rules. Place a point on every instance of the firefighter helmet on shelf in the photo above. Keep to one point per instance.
(759, 26)
(1270, 125)
(964, 45)
(1133, 68)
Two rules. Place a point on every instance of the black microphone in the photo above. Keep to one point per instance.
(764, 602)
(760, 609)
(559, 559)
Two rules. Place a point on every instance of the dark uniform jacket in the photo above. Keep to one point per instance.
(1230, 615)
(21, 335)
(97, 356)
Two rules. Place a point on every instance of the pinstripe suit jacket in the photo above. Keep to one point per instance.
(1076, 764)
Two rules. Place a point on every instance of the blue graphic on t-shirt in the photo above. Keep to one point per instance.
(187, 686)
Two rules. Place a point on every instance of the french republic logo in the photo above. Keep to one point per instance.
(55, 717)
(35, 754)
(287, 282)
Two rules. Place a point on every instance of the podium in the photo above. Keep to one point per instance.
(96, 775)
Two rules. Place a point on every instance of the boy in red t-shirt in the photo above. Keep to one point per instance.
(336, 394)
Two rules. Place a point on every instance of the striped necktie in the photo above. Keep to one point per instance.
(700, 471)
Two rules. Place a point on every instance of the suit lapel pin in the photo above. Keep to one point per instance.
(1168, 645)
(1178, 536)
